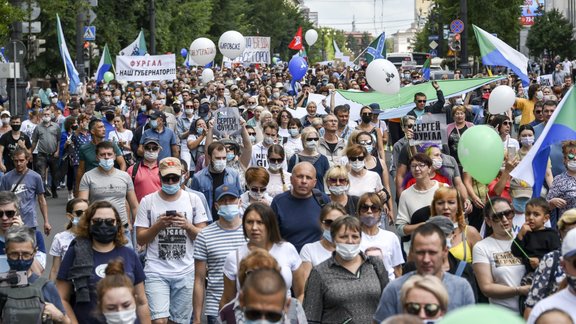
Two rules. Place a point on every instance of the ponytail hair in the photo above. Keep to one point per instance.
(115, 278)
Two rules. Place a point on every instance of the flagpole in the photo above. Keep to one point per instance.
(359, 55)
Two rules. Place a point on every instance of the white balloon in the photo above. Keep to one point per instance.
(231, 44)
(202, 51)
(207, 75)
(383, 76)
(311, 36)
(501, 99)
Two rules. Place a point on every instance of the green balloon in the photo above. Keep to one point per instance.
(481, 314)
(481, 153)
(108, 76)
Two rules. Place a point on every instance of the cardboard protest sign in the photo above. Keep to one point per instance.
(430, 128)
(146, 68)
(227, 122)
(545, 80)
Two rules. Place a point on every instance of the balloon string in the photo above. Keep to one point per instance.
(505, 230)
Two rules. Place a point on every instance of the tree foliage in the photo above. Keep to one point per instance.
(551, 34)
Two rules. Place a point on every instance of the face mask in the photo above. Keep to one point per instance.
(5, 121)
(326, 234)
(528, 140)
(539, 95)
(20, 265)
(137, 93)
(448, 242)
(200, 130)
(103, 232)
(153, 123)
(74, 127)
(151, 156)
(571, 165)
(16, 127)
(117, 98)
(46, 119)
(312, 145)
(347, 251)
(256, 195)
(437, 163)
(357, 165)
(368, 148)
(123, 317)
(143, 108)
(230, 156)
(162, 102)
(252, 139)
(228, 212)
(75, 220)
(293, 132)
(219, 165)
(93, 97)
(275, 166)
(276, 95)
(54, 100)
(338, 190)
(268, 140)
(170, 189)
(369, 220)
(106, 164)
(366, 119)
(189, 111)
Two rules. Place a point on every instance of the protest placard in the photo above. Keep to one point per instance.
(545, 80)
(227, 122)
(430, 128)
(257, 51)
(146, 68)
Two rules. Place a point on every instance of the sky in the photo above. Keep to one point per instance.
(390, 15)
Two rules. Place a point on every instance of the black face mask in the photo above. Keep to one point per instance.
(16, 127)
(103, 233)
(366, 119)
(74, 127)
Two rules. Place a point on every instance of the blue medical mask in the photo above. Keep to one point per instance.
(106, 164)
(228, 212)
(170, 189)
(153, 123)
(326, 234)
(75, 220)
(230, 156)
(20, 265)
(519, 204)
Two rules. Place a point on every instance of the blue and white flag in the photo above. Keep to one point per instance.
(71, 73)
(137, 48)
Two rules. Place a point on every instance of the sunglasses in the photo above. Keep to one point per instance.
(367, 115)
(431, 310)
(356, 158)
(506, 123)
(366, 208)
(276, 160)
(421, 101)
(189, 106)
(365, 142)
(78, 212)
(500, 215)
(254, 315)
(251, 134)
(485, 90)
(151, 148)
(171, 178)
(8, 213)
(101, 221)
(538, 112)
(328, 222)
(310, 139)
(335, 180)
(256, 189)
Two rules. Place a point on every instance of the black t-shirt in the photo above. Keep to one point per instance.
(217, 181)
(332, 146)
(10, 144)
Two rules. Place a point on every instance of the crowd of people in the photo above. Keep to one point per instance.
(318, 219)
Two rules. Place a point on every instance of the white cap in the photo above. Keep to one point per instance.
(569, 244)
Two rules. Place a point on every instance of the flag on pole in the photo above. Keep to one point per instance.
(136, 48)
(105, 64)
(376, 49)
(496, 52)
(560, 127)
(303, 53)
(72, 76)
(426, 69)
(296, 43)
(337, 51)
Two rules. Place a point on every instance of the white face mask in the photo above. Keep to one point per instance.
(347, 251)
(368, 148)
(46, 119)
(338, 190)
(275, 166)
(151, 156)
(539, 95)
(312, 145)
(54, 100)
(436, 163)
(219, 165)
(357, 165)
(293, 132)
(571, 166)
(5, 121)
(122, 317)
(189, 111)
(528, 140)
(256, 195)
(268, 140)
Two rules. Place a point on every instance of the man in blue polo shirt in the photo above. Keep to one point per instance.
(165, 136)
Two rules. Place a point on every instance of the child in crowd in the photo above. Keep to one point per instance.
(534, 239)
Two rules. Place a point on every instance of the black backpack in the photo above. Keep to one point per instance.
(23, 304)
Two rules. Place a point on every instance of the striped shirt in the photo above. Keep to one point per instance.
(212, 245)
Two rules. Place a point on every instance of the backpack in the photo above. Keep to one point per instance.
(23, 304)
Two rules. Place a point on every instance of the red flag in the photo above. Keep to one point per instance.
(296, 43)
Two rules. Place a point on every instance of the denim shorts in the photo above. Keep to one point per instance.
(170, 297)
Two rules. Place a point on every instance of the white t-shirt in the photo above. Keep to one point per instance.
(511, 143)
(389, 244)
(245, 201)
(171, 253)
(292, 146)
(275, 185)
(60, 243)
(563, 300)
(506, 269)
(370, 182)
(284, 252)
(125, 136)
(314, 253)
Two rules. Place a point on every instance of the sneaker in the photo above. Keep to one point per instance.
(70, 195)
(54, 193)
(47, 193)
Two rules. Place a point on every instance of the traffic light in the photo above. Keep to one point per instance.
(35, 47)
(457, 44)
(95, 51)
(86, 50)
(38, 45)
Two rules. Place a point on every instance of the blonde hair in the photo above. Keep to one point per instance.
(442, 193)
(568, 218)
(429, 283)
(306, 132)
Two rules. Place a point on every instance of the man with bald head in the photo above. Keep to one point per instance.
(298, 210)
(263, 297)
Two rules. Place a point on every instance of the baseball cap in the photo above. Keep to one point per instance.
(443, 222)
(170, 165)
(279, 85)
(569, 244)
(53, 94)
(5, 112)
(152, 140)
(204, 100)
(158, 114)
(233, 87)
(226, 190)
(203, 110)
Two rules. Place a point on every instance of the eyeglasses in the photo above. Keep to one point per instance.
(310, 139)
(421, 101)
(365, 142)
(418, 166)
(276, 160)
(507, 123)
(254, 314)
(366, 208)
(251, 134)
(151, 148)
(78, 212)
(431, 310)
(366, 114)
(328, 222)
(101, 221)
(356, 158)
(8, 213)
(171, 178)
(20, 256)
(336, 180)
(256, 189)
(500, 215)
